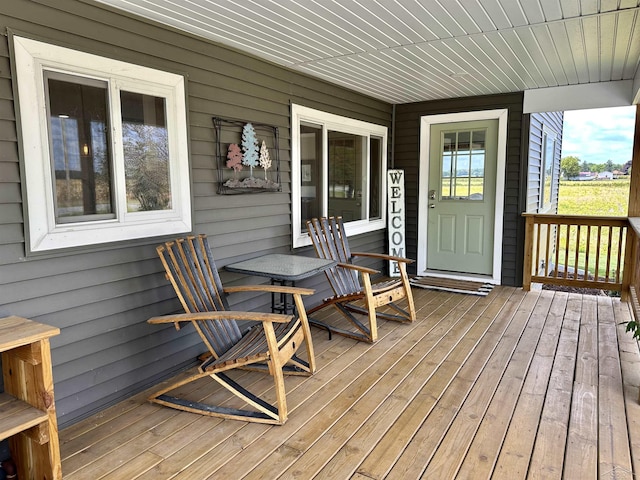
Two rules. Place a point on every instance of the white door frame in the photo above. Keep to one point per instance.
(423, 187)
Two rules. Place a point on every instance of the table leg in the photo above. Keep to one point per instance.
(282, 302)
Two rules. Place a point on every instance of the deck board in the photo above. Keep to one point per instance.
(514, 385)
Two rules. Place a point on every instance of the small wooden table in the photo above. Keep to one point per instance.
(282, 269)
(27, 407)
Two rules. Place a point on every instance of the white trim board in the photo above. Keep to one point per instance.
(579, 97)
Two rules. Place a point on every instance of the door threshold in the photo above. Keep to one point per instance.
(468, 277)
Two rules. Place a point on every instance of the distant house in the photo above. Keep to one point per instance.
(605, 176)
(585, 176)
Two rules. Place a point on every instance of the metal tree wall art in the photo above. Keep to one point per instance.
(234, 158)
(249, 147)
(265, 158)
(238, 144)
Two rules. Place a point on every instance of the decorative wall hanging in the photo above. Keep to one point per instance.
(247, 156)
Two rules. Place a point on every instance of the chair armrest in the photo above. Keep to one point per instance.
(351, 266)
(222, 315)
(382, 256)
(270, 289)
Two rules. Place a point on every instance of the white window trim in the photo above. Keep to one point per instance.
(547, 135)
(31, 59)
(331, 121)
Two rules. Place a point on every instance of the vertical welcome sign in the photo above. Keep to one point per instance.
(395, 196)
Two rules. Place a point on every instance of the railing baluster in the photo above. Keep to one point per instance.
(622, 235)
(536, 259)
(598, 243)
(547, 252)
(607, 271)
(577, 255)
(558, 227)
(587, 252)
(566, 250)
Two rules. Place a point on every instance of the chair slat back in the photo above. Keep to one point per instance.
(330, 242)
(192, 271)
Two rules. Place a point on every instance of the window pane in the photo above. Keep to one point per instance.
(347, 156)
(310, 172)
(146, 152)
(547, 169)
(462, 165)
(375, 175)
(80, 154)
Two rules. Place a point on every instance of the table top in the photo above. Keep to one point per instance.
(281, 266)
(17, 331)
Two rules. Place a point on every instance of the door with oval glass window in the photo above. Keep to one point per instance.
(462, 186)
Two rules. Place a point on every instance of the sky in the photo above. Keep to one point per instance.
(598, 135)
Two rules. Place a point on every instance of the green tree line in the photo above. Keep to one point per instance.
(571, 166)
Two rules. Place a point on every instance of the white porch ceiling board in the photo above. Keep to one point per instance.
(515, 12)
(571, 8)
(532, 11)
(621, 50)
(443, 16)
(609, 5)
(552, 10)
(591, 29)
(487, 53)
(310, 26)
(417, 76)
(578, 50)
(514, 62)
(538, 57)
(480, 65)
(524, 55)
(632, 62)
(463, 20)
(486, 14)
(434, 75)
(550, 51)
(413, 50)
(608, 25)
(376, 22)
(588, 7)
(562, 45)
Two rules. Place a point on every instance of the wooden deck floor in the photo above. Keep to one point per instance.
(510, 386)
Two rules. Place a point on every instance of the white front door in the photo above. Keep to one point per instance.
(461, 192)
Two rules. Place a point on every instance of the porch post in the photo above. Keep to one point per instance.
(528, 252)
(629, 277)
(634, 188)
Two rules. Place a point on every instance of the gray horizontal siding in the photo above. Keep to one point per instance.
(100, 297)
(538, 121)
(406, 156)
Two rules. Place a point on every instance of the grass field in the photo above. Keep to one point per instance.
(604, 197)
(593, 198)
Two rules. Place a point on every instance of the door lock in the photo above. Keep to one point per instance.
(432, 194)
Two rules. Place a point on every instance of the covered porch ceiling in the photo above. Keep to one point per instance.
(564, 53)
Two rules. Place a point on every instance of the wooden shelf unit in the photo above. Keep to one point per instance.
(27, 406)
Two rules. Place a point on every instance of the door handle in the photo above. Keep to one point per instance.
(432, 205)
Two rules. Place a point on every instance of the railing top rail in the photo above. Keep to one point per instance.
(546, 218)
(635, 225)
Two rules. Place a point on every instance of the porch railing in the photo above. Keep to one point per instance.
(577, 251)
(633, 266)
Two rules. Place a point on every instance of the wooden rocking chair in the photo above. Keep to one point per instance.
(269, 346)
(330, 241)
